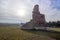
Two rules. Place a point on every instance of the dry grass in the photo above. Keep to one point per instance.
(14, 33)
(54, 29)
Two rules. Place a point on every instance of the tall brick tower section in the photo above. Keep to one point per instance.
(38, 18)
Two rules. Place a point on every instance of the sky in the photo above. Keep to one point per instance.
(17, 11)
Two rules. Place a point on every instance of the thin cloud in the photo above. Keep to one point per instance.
(9, 8)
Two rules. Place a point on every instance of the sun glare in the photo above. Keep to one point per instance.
(21, 12)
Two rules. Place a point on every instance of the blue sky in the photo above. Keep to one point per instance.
(55, 4)
(14, 11)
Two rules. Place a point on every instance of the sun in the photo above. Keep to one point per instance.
(21, 12)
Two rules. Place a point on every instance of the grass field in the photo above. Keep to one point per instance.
(55, 29)
(15, 33)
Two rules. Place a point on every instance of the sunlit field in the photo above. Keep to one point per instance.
(54, 29)
(15, 33)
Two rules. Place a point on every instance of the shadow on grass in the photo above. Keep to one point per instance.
(52, 34)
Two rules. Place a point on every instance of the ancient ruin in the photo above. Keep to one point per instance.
(38, 19)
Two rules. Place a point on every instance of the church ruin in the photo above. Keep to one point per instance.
(38, 19)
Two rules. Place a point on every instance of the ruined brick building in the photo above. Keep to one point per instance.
(38, 19)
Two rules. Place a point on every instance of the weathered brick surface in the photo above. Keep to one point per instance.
(38, 19)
